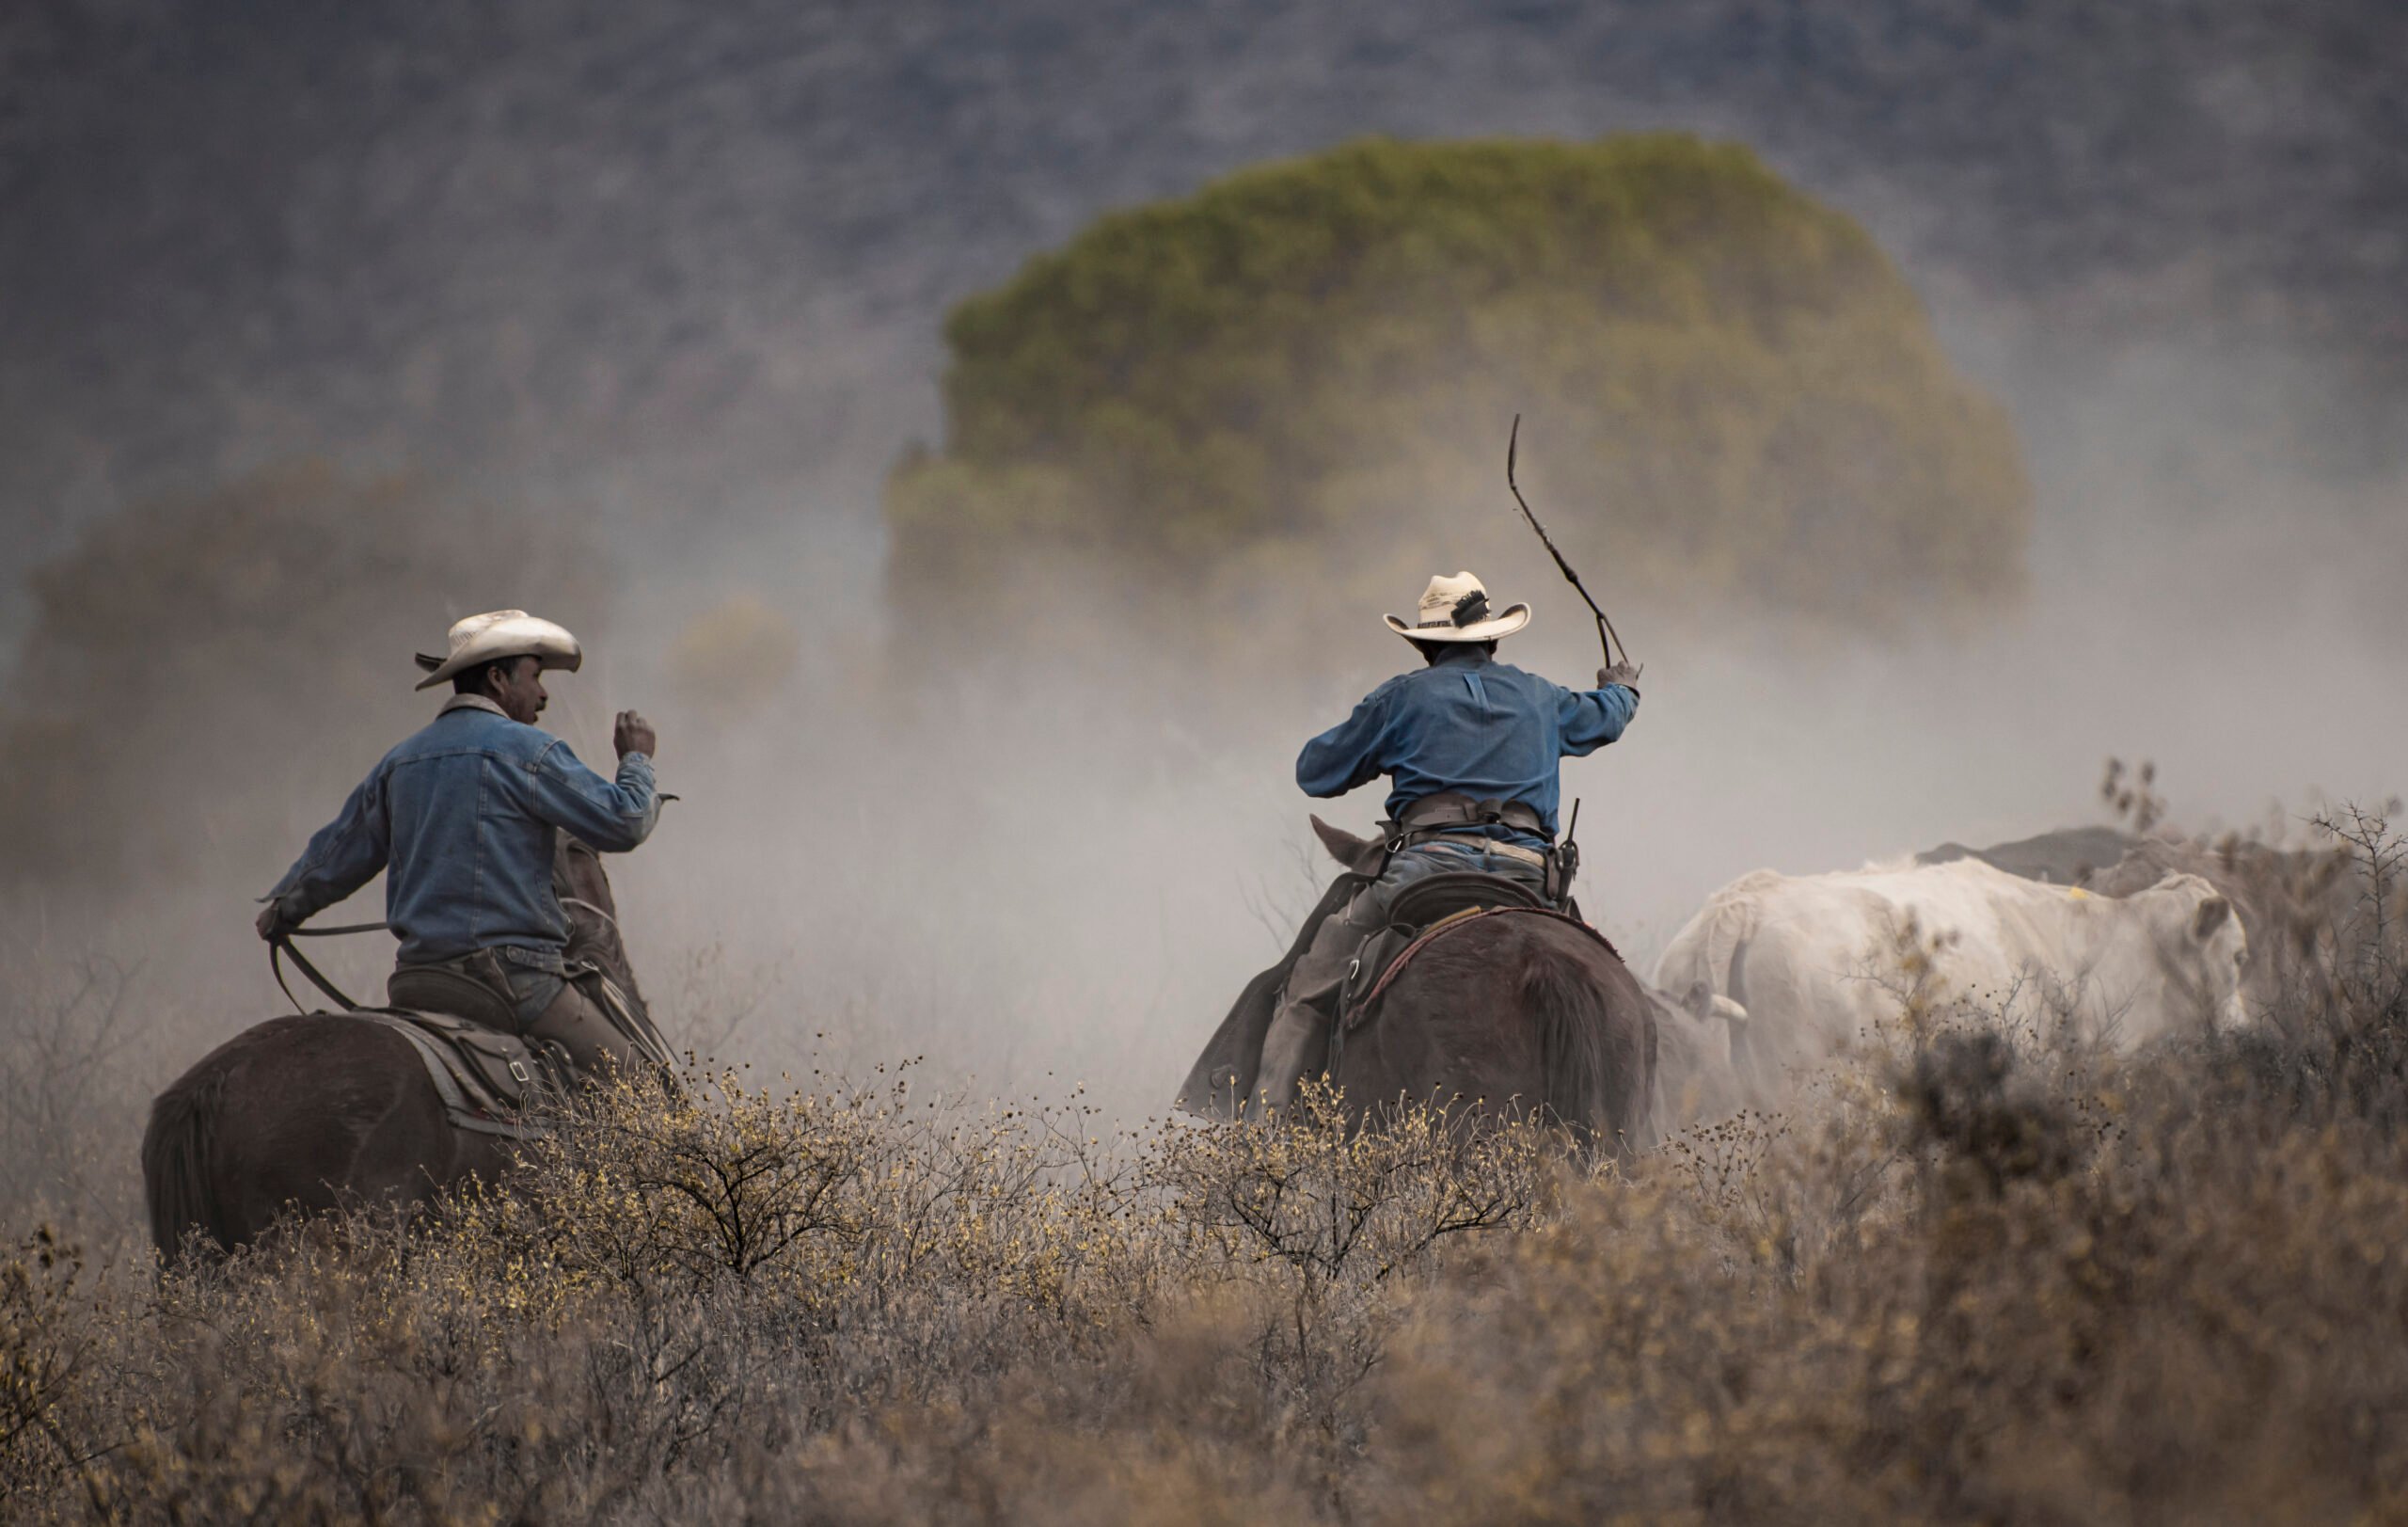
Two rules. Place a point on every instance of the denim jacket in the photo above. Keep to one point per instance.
(462, 817)
(1467, 724)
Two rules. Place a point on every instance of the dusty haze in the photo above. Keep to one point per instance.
(1036, 868)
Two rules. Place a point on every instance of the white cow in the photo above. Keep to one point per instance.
(1816, 960)
(1697, 1079)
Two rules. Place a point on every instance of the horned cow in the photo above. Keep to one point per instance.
(1816, 960)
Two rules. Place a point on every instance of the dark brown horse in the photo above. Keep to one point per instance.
(323, 1111)
(1521, 1013)
(1528, 1013)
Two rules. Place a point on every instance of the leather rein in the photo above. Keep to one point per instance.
(281, 946)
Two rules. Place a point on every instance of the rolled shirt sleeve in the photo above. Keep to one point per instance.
(1348, 755)
(612, 815)
(1589, 719)
(343, 857)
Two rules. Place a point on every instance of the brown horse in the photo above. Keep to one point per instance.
(1519, 1012)
(325, 1110)
(1523, 1013)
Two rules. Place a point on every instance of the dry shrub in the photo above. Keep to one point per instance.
(49, 1444)
(1987, 1275)
(1994, 1277)
(783, 1294)
(2187, 1325)
(70, 1023)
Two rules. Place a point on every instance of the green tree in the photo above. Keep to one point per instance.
(1299, 378)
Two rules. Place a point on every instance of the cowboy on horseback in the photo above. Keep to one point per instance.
(463, 819)
(1471, 748)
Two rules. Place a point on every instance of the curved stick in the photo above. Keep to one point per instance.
(1608, 638)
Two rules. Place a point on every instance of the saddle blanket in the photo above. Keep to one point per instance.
(487, 1079)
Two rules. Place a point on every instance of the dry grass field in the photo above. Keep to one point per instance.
(1972, 1277)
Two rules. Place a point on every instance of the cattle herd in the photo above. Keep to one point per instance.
(2090, 935)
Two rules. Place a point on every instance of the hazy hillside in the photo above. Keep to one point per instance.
(668, 262)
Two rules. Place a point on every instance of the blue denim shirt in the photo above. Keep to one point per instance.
(462, 817)
(1467, 724)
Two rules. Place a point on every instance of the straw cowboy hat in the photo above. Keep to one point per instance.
(500, 634)
(1456, 610)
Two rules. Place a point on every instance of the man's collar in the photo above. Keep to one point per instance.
(472, 702)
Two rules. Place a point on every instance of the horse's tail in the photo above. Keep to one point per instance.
(175, 1161)
(1590, 1087)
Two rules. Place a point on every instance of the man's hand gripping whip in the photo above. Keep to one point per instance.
(1608, 638)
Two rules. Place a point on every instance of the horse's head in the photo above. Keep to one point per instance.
(583, 887)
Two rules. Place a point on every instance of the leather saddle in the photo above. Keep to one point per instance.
(491, 1081)
(440, 989)
(1434, 898)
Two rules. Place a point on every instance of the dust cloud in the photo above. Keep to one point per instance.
(1044, 869)
(1043, 873)
(1040, 869)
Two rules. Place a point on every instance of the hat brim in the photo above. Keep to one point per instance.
(445, 672)
(552, 648)
(1515, 617)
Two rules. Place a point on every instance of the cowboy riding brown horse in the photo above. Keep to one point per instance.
(1492, 999)
(321, 1112)
(485, 828)
(1500, 995)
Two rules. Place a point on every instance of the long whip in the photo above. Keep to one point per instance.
(1608, 638)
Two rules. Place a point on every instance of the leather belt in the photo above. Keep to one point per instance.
(1452, 809)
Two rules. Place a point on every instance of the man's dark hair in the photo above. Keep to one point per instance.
(1432, 651)
(472, 680)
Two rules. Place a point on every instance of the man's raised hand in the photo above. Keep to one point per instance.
(1622, 674)
(633, 733)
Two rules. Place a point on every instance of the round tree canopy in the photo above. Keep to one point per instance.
(1294, 386)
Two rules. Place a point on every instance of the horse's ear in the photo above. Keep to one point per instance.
(1360, 854)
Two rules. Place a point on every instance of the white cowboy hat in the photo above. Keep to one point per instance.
(498, 634)
(1456, 610)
